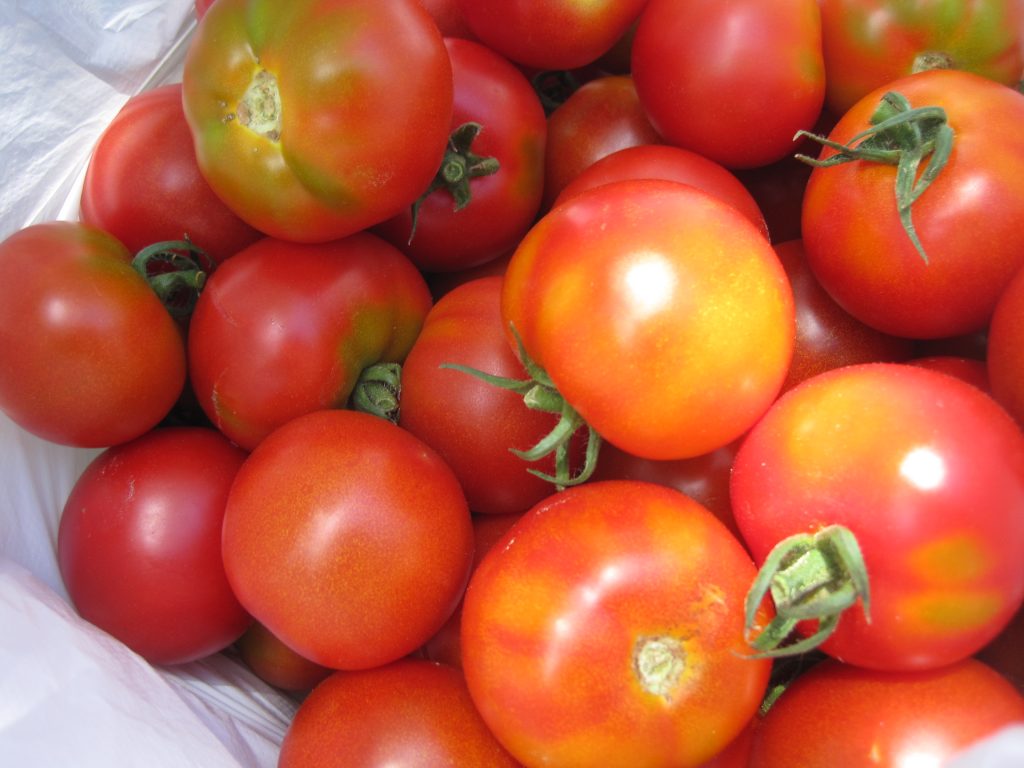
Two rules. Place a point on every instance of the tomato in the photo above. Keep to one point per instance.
(660, 161)
(314, 119)
(733, 80)
(143, 184)
(449, 19)
(970, 370)
(88, 355)
(1004, 360)
(606, 629)
(927, 472)
(826, 335)
(966, 221)
(471, 219)
(471, 423)
(276, 664)
(883, 719)
(669, 331)
(446, 645)
(868, 43)
(550, 34)
(412, 713)
(348, 538)
(283, 328)
(604, 115)
(139, 544)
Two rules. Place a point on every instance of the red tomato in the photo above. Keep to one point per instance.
(471, 423)
(143, 184)
(733, 80)
(1005, 349)
(348, 538)
(970, 370)
(868, 43)
(446, 645)
(88, 354)
(883, 719)
(619, 598)
(314, 119)
(412, 713)
(550, 34)
(275, 663)
(283, 329)
(827, 336)
(671, 328)
(139, 544)
(660, 161)
(927, 472)
(967, 220)
(474, 219)
(604, 115)
(449, 19)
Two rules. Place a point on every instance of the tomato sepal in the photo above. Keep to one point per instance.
(378, 391)
(810, 577)
(176, 270)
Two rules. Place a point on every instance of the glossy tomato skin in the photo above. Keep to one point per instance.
(890, 719)
(604, 115)
(139, 544)
(671, 329)
(827, 336)
(412, 713)
(550, 34)
(315, 119)
(472, 423)
(492, 92)
(143, 184)
(282, 328)
(927, 472)
(967, 220)
(620, 598)
(663, 161)
(870, 43)
(276, 664)
(739, 104)
(88, 355)
(348, 538)
(1004, 360)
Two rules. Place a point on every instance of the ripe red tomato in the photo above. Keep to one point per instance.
(314, 119)
(471, 423)
(868, 43)
(1005, 349)
(883, 718)
(827, 336)
(733, 80)
(348, 538)
(449, 19)
(412, 713)
(662, 161)
(606, 629)
(669, 331)
(602, 116)
(474, 219)
(88, 354)
(143, 184)
(276, 664)
(283, 328)
(550, 34)
(927, 472)
(139, 544)
(967, 220)
(969, 369)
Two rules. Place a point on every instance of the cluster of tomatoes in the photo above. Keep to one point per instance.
(630, 383)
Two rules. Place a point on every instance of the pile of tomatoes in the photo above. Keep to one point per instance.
(630, 383)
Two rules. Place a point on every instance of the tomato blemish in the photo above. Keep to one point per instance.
(659, 663)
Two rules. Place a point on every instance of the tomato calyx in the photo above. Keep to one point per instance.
(458, 168)
(810, 577)
(176, 270)
(899, 135)
(378, 391)
(540, 394)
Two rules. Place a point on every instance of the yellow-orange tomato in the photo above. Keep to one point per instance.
(660, 313)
